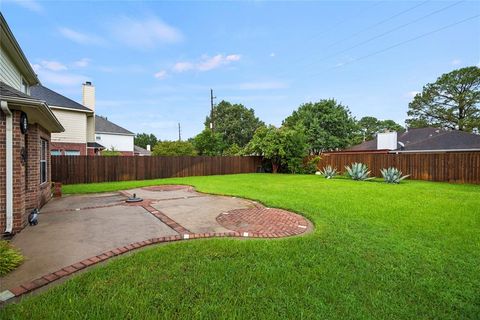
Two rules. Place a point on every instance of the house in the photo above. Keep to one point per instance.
(421, 140)
(26, 125)
(113, 137)
(139, 151)
(78, 120)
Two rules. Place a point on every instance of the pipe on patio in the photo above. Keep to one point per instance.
(8, 166)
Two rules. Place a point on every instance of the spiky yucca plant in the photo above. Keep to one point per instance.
(392, 175)
(358, 171)
(328, 172)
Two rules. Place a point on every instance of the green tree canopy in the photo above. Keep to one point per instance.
(451, 102)
(234, 122)
(144, 139)
(282, 146)
(369, 126)
(208, 143)
(328, 125)
(173, 148)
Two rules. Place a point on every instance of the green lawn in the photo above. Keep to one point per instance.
(408, 251)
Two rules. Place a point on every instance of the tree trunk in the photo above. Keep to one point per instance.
(274, 167)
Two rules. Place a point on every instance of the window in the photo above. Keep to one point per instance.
(98, 138)
(56, 153)
(43, 160)
(72, 152)
(24, 86)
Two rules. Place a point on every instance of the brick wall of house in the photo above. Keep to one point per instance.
(62, 147)
(27, 191)
(19, 183)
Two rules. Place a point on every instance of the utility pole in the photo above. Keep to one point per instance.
(212, 126)
(179, 132)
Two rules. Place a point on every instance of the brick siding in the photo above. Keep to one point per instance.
(63, 146)
(28, 193)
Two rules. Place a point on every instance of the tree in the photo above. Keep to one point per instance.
(110, 152)
(282, 146)
(173, 148)
(369, 126)
(208, 143)
(144, 139)
(451, 102)
(234, 122)
(328, 125)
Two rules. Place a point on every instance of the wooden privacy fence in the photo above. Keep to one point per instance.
(457, 167)
(88, 169)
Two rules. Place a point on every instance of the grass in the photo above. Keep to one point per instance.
(10, 258)
(408, 251)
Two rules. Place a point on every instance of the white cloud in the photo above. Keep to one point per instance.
(80, 37)
(266, 85)
(144, 33)
(206, 63)
(272, 54)
(31, 5)
(49, 65)
(82, 63)
(63, 79)
(182, 66)
(456, 62)
(162, 74)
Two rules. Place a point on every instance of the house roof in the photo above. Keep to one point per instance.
(7, 91)
(141, 151)
(102, 125)
(38, 110)
(95, 145)
(56, 99)
(429, 139)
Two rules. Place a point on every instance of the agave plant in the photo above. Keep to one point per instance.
(328, 172)
(358, 171)
(392, 175)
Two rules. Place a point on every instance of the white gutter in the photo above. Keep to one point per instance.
(8, 166)
(435, 151)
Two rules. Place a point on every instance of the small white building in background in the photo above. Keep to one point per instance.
(112, 136)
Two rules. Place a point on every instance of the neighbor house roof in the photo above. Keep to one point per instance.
(428, 139)
(140, 151)
(56, 99)
(37, 110)
(102, 125)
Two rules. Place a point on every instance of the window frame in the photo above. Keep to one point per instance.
(43, 161)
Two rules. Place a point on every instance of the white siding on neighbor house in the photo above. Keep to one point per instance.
(75, 124)
(9, 73)
(119, 142)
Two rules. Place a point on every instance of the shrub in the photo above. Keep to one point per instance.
(173, 148)
(311, 166)
(358, 171)
(10, 258)
(392, 175)
(328, 172)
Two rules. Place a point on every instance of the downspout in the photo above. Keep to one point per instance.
(8, 166)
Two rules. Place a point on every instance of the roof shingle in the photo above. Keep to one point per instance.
(55, 99)
(105, 126)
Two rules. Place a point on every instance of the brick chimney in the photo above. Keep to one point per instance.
(88, 95)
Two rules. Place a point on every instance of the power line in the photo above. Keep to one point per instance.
(384, 33)
(405, 41)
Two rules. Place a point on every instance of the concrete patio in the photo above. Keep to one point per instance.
(73, 229)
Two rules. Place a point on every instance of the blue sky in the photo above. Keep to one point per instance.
(153, 63)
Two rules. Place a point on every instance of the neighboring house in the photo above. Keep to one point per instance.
(421, 140)
(78, 120)
(139, 151)
(113, 137)
(26, 125)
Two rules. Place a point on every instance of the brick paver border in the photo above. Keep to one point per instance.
(184, 235)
